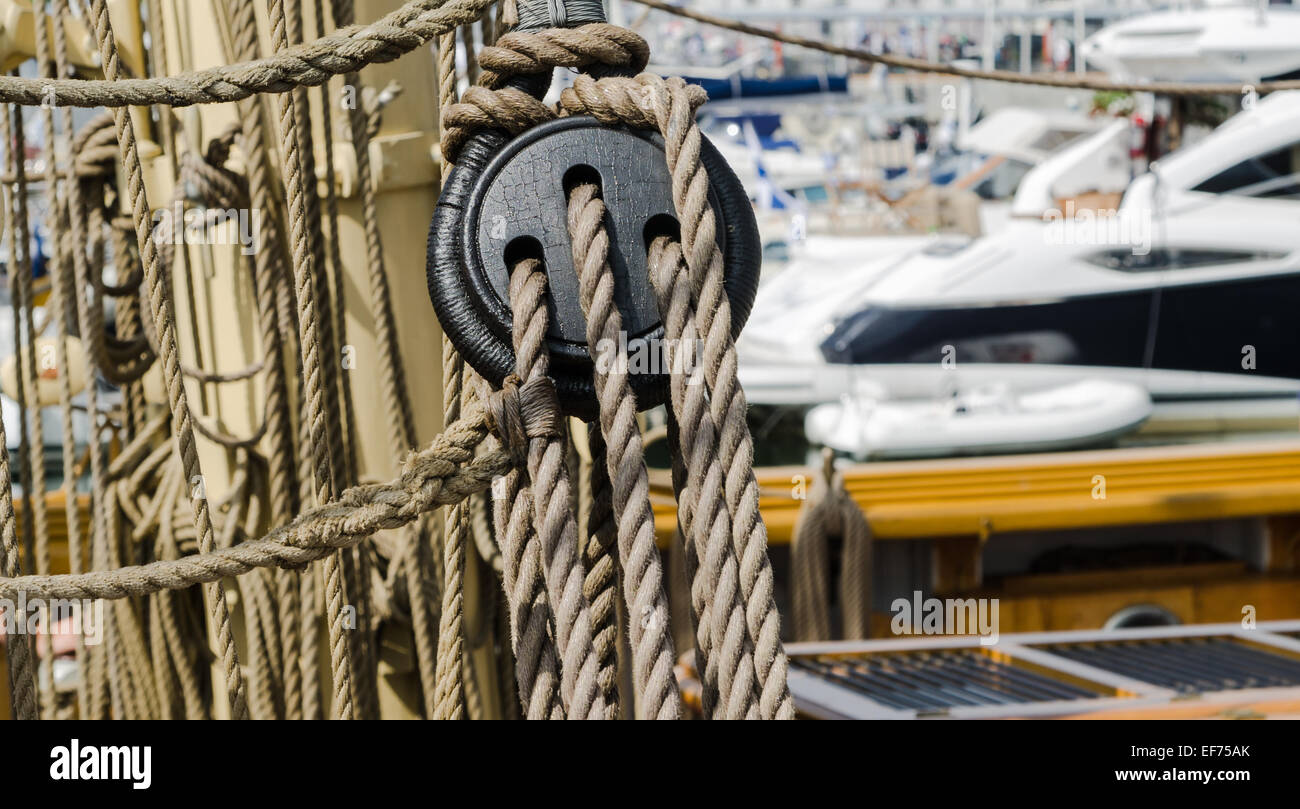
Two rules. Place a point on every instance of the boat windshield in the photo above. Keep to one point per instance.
(1273, 175)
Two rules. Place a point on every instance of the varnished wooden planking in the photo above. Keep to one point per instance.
(1053, 491)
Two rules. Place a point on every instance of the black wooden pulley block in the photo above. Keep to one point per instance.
(507, 199)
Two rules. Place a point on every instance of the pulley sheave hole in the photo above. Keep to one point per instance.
(509, 198)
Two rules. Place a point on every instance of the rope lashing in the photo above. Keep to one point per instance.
(445, 472)
(491, 105)
(737, 623)
(830, 514)
(537, 14)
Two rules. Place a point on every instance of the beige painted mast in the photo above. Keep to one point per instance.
(216, 318)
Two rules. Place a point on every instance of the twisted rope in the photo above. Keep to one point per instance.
(177, 400)
(345, 51)
(553, 519)
(738, 632)
(491, 106)
(722, 638)
(669, 106)
(829, 512)
(600, 556)
(447, 696)
(267, 267)
(22, 672)
(445, 472)
(316, 379)
(60, 314)
(624, 459)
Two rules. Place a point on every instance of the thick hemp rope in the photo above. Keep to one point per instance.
(737, 622)
(446, 471)
(600, 555)
(830, 513)
(669, 106)
(624, 459)
(553, 520)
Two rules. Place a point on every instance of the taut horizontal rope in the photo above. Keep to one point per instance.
(306, 65)
(445, 472)
(1010, 76)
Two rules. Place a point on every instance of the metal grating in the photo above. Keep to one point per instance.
(933, 682)
(1187, 665)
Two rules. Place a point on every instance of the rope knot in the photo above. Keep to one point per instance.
(518, 413)
(647, 101)
(600, 47)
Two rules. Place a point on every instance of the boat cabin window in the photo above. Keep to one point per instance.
(1275, 175)
(1173, 258)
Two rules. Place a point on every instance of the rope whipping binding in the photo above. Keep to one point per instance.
(736, 619)
(561, 668)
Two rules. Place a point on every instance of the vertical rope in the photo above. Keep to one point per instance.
(600, 556)
(22, 675)
(162, 317)
(553, 518)
(267, 268)
(536, 667)
(728, 408)
(727, 666)
(311, 328)
(449, 694)
(624, 459)
(829, 512)
(32, 444)
(397, 404)
(61, 313)
(365, 660)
